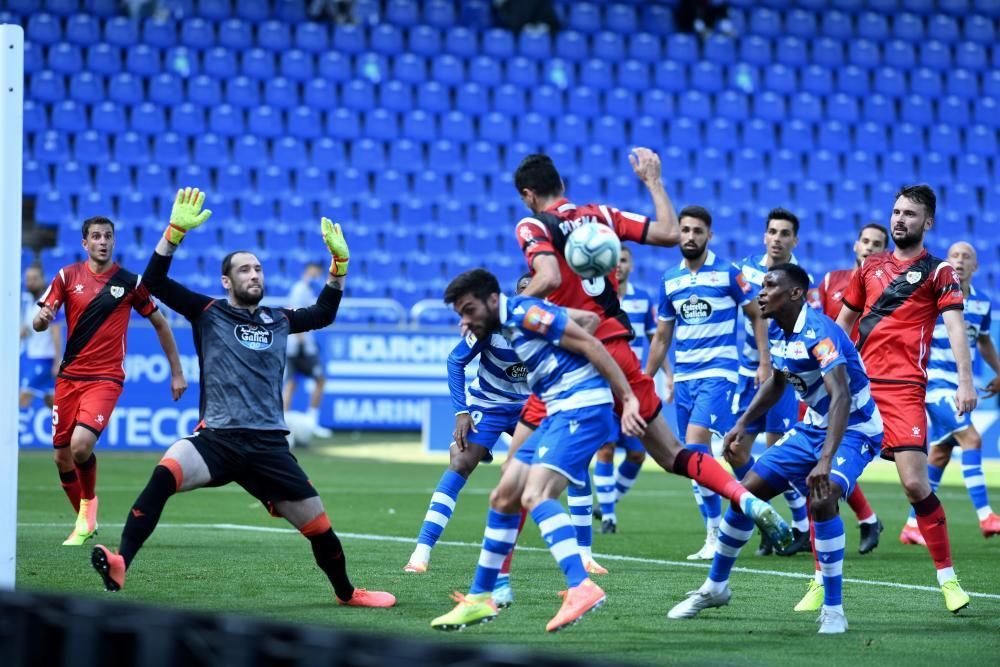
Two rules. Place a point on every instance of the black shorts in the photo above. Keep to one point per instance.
(259, 461)
(306, 365)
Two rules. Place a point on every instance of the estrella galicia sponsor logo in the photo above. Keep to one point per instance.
(253, 336)
(695, 310)
(517, 372)
(796, 381)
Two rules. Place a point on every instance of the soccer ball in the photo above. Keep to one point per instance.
(300, 426)
(593, 250)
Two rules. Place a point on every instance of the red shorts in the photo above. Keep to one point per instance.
(87, 403)
(642, 386)
(904, 417)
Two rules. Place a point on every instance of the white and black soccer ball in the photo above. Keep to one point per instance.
(593, 250)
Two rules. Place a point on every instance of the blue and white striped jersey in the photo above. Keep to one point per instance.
(705, 306)
(500, 382)
(639, 306)
(942, 372)
(754, 269)
(562, 379)
(815, 347)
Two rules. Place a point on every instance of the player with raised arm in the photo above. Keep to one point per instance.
(489, 408)
(571, 371)
(948, 427)
(822, 455)
(241, 349)
(99, 296)
(898, 296)
(872, 238)
(700, 299)
(781, 235)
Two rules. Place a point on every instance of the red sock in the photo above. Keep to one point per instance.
(87, 473)
(705, 470)
(71, 485)
(505, 568)
(858, 503)
(934, 527)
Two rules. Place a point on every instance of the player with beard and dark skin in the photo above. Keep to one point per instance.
(898, 296)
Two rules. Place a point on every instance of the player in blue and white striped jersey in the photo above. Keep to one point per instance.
(822, 456)
(947, 427)
(490, 407)
(700, 300)
(780, 238)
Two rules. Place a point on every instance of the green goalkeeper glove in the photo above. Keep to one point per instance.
(186, 214)
(337, 245)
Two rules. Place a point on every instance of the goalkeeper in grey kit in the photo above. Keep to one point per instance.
(241, 434)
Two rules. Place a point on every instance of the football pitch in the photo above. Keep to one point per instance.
(218, 550)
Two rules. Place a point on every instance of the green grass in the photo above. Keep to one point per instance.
(192, 563)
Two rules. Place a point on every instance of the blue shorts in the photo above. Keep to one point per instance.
(490, 424)
(945, 422)
(781, 417)
(567, 441)
(706, 402)
(36, 376)
(790, 460)
(626, 442)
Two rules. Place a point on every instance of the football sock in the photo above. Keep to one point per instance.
(734, 532)
(975, 482)
(145, 512)
(625, 477)
(742, 471)
(800, 516)
(934, 528)
(498, 541)
(700, 502)
(581, 514)
(439, 513)
(830, 551)
(87, 474)
(711, 503)
(859, 503)
(505, 568)
(70, 482)
(558, 533)
(604, 483)
(934, 474)
(329, 555)
(708, 473)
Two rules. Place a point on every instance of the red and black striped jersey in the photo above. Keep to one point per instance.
(899, 302)
(98, 306)
(546, 234)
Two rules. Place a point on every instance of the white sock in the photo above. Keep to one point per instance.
(313, 415)
(912, 522)
(819, 577)
(713, 587)
(586, 554)
(839, 608)
(421, 554)
(984, 512)
(872, 519)
(945, 574)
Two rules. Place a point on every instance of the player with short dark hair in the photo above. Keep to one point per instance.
(898, 296)
(822, 456)
(303, 352)
(241, 435)
(99, 296)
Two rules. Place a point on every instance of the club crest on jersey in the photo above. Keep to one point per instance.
(517, 372)
(117, 291)
(253, 337)
(825, 352)
(913, 277)
(266, 318)
(695, 310)
(538, 319)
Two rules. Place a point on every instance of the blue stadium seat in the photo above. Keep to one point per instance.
(424, 41)
(827, 52)
(47, 86)
(609, 131)
(266, 121)
(834, 136)
(801, 23)
(986, 110)
(963, 83)
(457, 127)
(906, 138)
(797, 135)
(188, 120)
(52, 208)
(823, 166)
(91, 148)
(596, 74)
(65, 58)
(657, 103)
(273, 182)
(671, 77)
(944, 139)
(585, 17)
(33, 58)
(334, 67)
(86, 87)
(166, 89)
(294, 210)
(766, 22)
(43, 29)
(898, 53)
(121, 31)
(917, 109)
(358, 95)
(608, 46)
(71, 178)
(410, 68)
(62, 8)
(233, 181)
(312, 183)
(909, 27)
(889, 82)
(386, 39)
(418, 125)
(943, 28)
(111, 176)
(304, 122)
(683, 48)
(462, 42)
(274, 36)
(368, 155)
(620, 103)
(104, 59)
(720, 133)
(434, 97)
(927, 82)
(879, 108)
(349, 39)
(481, 157)
(971, 169)
(807, 106)
(860, 166)
(203, 90)
(769, 106)
(872, 137)
(954, 111)
(935, 167)
(151, 179)
(755, 50)
(429, 186)
(980, 29)
(216, 10)
(131, 149)
(36, 120)
(571, 46)
(83, 30)
(197, 33)
(402, 12)
(220, 62)
(659, 19)
(439, 13)
(981, 141)
(225, 120)
(250, 152)
(842, 107)
(935, 54)
(498, 43)
(108, 118)
(93, 203)
(296, 65)
(759, 134)
(472, 98)
(533, 127)
(873, 26)
(258, 64)
(791, 51)
(521, 72)
(328, 154)
(787, 165)
(780, 79)
(243, 92)
(817, 80)
(69, 116)
(398, 97)
(535, 44)
(281, 93)
(125, 88)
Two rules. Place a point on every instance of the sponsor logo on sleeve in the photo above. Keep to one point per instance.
(825, 352)
(538, 319)
(742, 282)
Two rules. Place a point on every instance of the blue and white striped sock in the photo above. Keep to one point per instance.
(830, 551)
(741, 472)
(581, 514)
(712, 504)
(604, 483)
(438, 514)
(934, 474)
(735, 531)
(800, 515)
(625, 476)
(498, 540)
(700, 502)
(975, 481)
(558, 533)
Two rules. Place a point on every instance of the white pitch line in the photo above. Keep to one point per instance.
(614, 557)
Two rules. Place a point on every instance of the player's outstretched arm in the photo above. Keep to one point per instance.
(665, 230)
(546, 279)
(587, 320)
(324, 311)
(989, 352)
(467, 349)
(848, 316)
(752, 311)
(178, 384)
(965, 397)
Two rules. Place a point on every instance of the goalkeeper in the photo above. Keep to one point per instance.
(241, 435)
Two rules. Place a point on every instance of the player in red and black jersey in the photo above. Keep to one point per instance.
(898, 296)
(98, 296)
